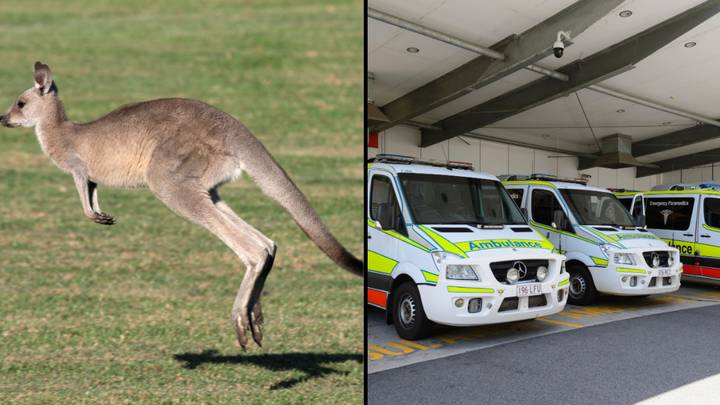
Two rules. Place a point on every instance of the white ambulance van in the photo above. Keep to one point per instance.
(606, 252)
(447, 245)
(688, 220)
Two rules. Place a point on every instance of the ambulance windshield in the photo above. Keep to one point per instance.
(438, 199)
(597, 208)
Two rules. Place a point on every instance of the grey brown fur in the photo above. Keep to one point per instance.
(183, 150)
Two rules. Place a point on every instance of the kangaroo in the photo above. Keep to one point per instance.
(182, 150)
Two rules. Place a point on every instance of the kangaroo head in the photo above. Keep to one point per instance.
(34, 103)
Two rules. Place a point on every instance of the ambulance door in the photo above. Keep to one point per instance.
(674, 219)
(708, 247)
(384, 215)
(546, 210)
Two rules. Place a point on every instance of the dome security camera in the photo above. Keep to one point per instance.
(559, 45)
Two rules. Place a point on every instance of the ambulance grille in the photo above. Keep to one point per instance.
(500, 269)
(664, 256)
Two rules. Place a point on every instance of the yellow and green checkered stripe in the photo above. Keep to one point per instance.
(628, 270)
(379, 263)
(599, 261)
(539, 225)
(445, 244)
(528, 182)
(430, 277)
(564, 282)
(700, 249)
(454, 289)
(396, 235)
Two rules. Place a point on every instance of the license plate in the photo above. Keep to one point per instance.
(664, 272)
(526, 290)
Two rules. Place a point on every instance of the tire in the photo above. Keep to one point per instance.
(581, 289)
(408, 313)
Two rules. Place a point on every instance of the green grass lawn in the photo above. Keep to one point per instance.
(139, 311)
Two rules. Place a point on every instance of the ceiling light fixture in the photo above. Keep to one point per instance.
(412, 49)
(690, 44)
(625, 13)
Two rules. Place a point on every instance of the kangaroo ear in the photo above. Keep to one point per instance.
(42, 77)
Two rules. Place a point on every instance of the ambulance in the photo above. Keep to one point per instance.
(447, 245)
(606, 251)
(688, 219)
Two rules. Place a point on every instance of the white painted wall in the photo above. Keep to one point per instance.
(499, 158)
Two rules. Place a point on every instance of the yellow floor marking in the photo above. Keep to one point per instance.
(453, 338)
(687, 297)
(372, 356)
(384, 351)
(420, 346)
(572, 325)
(405, 349)
(578, 313)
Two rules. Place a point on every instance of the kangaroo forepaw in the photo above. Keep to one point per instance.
(102, 218)
(244, 321)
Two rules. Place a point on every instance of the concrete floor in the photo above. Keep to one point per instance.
(621, 350)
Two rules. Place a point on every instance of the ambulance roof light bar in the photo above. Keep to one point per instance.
(622, 190)
(545, 177)
(402, 159)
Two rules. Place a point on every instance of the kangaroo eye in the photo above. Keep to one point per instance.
(21, 104)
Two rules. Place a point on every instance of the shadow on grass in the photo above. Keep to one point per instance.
(311, 364)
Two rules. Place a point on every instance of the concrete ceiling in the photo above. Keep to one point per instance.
(676, 76)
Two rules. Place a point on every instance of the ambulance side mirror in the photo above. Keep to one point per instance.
(639, 220)
(560, 220)
(384, 216)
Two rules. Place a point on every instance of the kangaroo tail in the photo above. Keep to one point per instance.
(274, 182)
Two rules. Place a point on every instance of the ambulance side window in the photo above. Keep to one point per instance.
(545, 206)
(382, 192)
(669, 213)
(517, 195)
(711, 208)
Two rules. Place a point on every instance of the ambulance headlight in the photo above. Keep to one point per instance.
(460, 272)
(541, 273)
(671, 259)
(623, 258)
(513, 275)
(439, 257)
(605, 247)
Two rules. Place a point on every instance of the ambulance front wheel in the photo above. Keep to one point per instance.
(408, 313)
(581, 289)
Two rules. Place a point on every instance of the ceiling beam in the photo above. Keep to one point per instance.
(595, 68)
(680, 162)
(519, 51)
(675, 139)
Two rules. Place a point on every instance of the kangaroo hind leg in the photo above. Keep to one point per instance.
(196, 205)
(247, 301)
